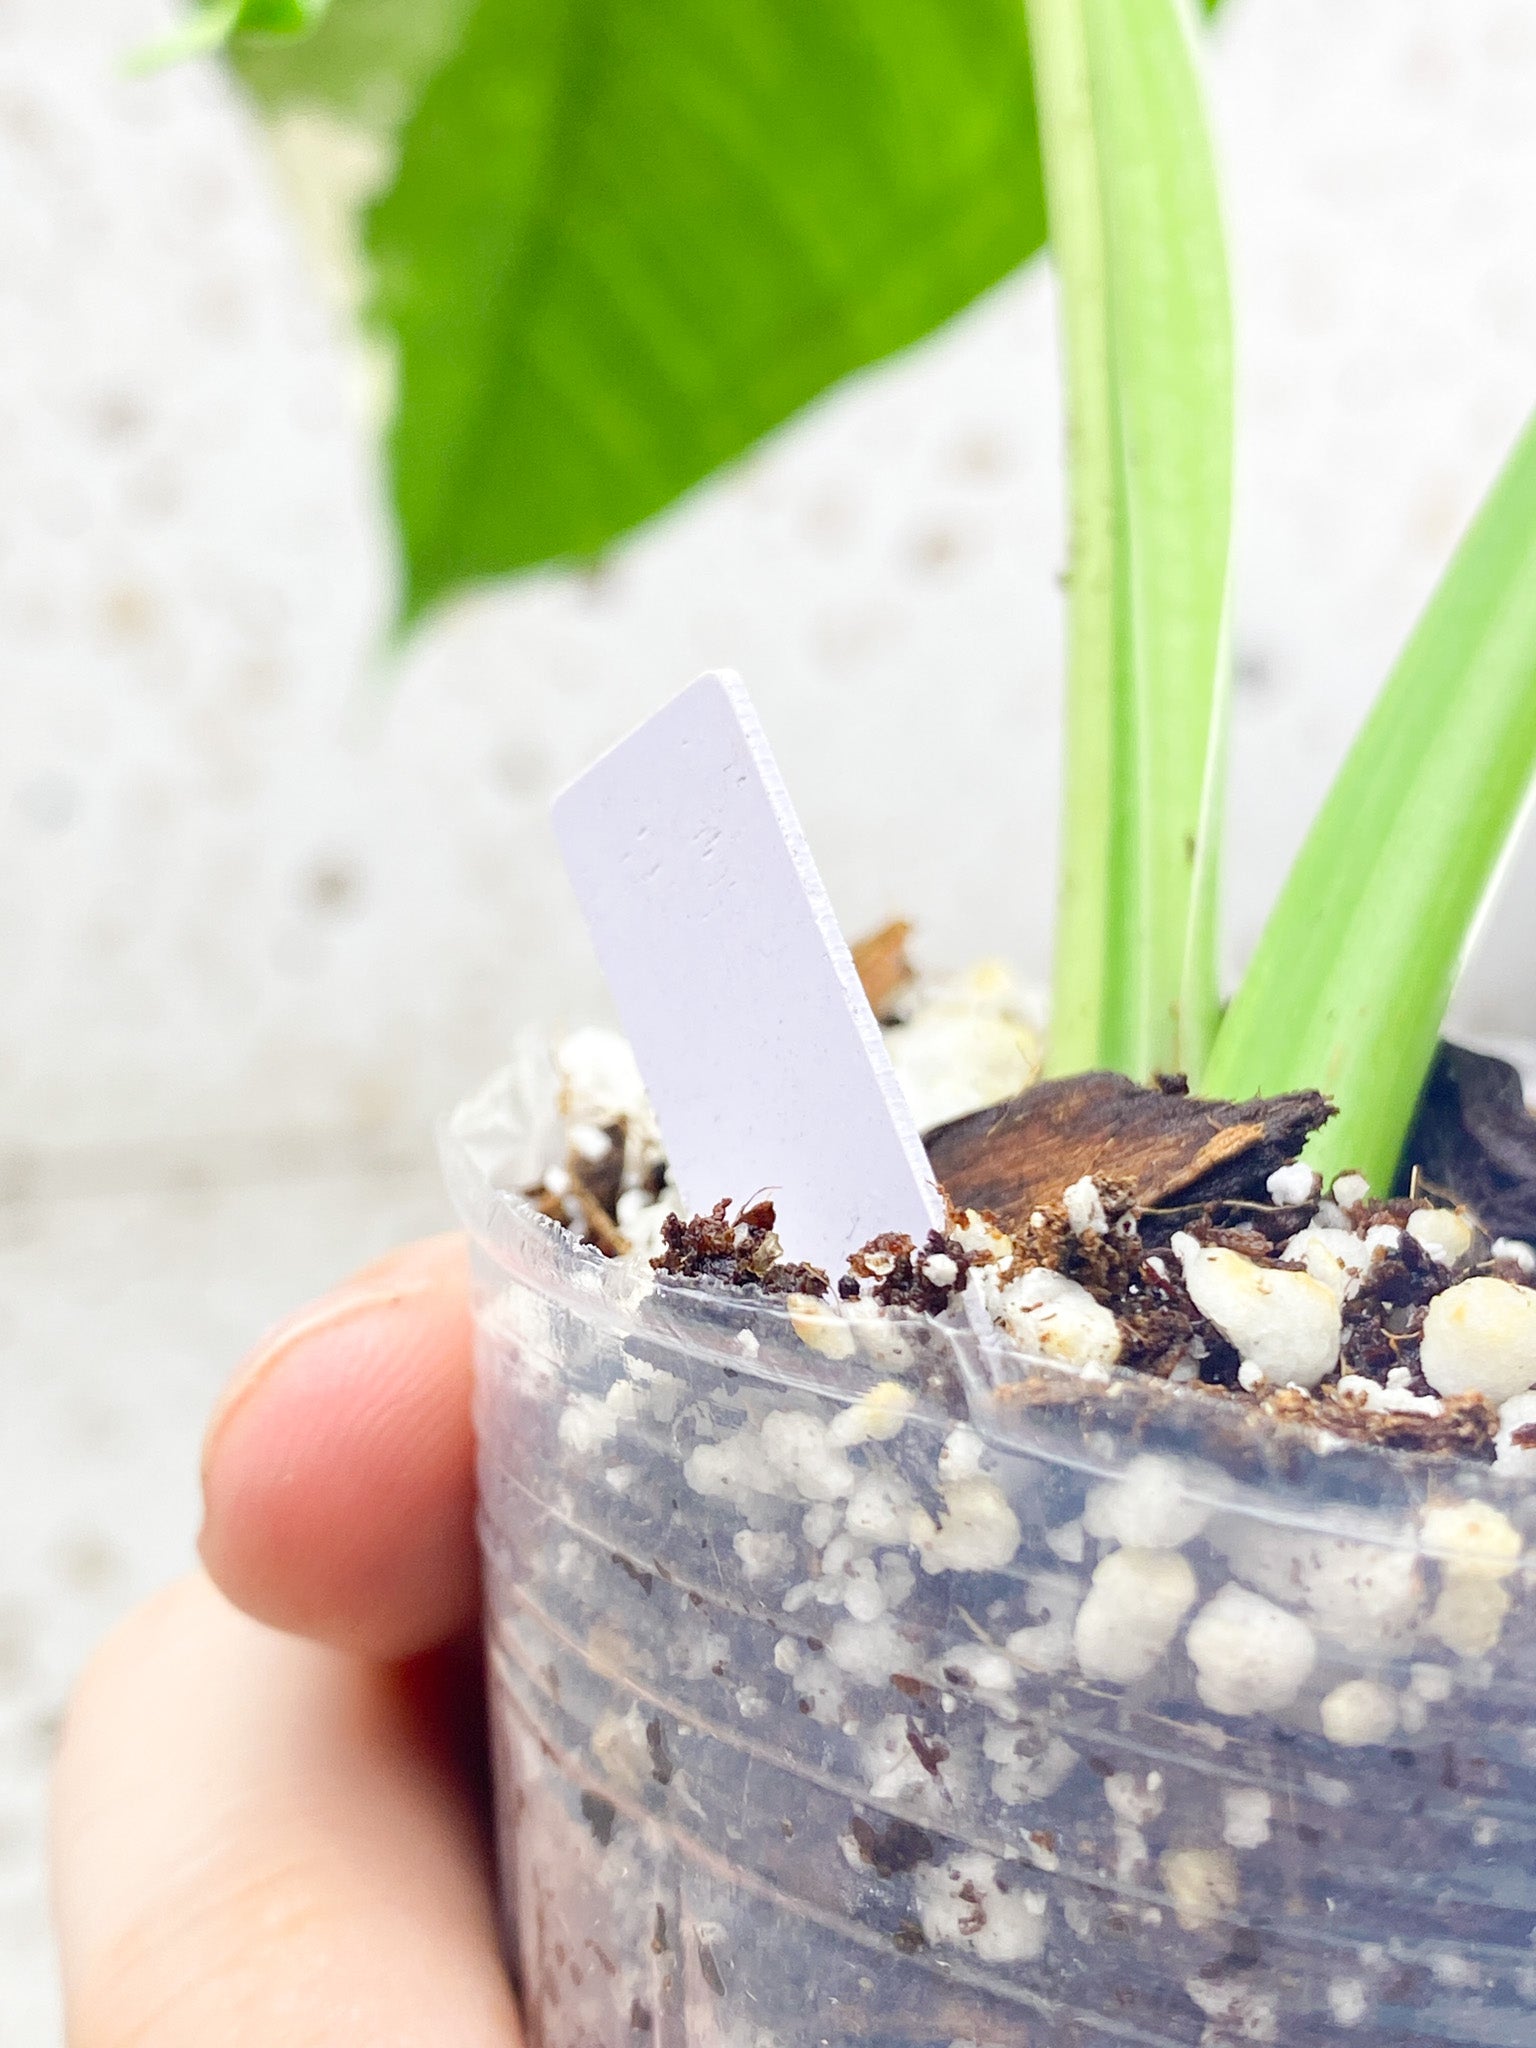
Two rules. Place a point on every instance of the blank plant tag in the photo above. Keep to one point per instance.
(734, 985)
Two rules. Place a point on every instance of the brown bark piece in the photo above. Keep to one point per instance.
(1168, 1149)
(884, 969)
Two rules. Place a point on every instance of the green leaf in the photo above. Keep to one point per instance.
(279, 19)
(1356, 965)
(629, 237)
(1137, 239)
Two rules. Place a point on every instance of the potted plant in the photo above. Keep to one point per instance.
(1175, 1687)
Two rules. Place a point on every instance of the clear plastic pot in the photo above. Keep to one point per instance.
(871, 1689)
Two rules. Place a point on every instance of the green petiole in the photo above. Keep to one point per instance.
(1136, 234)
(1352, 976)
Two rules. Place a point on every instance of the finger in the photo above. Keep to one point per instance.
(258, 1840)
(338, 1471)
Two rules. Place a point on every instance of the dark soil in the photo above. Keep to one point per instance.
(1475, 1140)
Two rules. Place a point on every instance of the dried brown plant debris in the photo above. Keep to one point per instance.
(1466, 1426)
(897, 1273)
(884, 970)
(586, 1194)
(739, 1251)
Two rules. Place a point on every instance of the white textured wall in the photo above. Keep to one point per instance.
(262, 913)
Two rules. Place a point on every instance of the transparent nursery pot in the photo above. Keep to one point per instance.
(891, 1689)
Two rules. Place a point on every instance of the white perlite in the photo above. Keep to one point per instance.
(1136, 1801)
(1432, 1683)
(1338, 1257)
(1480, 1338)
(1469, 1616)
(876, 1417)
(962, 1904)
(1237, 2008)
(895, 1771)
(1478, 1548)
(1246, 1813)
(1395, 1398)
(1363, 1585)
(1051, 1599)
(1085, 1207)
(1290, 1186)
(797, 1448)
(978, 1531)
(1444, 1233)
(1286, 1323)
(1132, 1613)
(817, 1324)
(1028, 1767)
(886, 1344)
(880, 1509)
(1148, 1505)
(1203, 1885)
(1055, 1317)
(660, 1392)
(1251, 1656)
(791, 1456)
(1473, 1538)
(982, 1669)
(1348, 2001)
(1358, 1713)
(587, 1425)
(983, 1240)
(868, 1651)
(960, 1455)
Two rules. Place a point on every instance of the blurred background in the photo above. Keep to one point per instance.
(268, 901)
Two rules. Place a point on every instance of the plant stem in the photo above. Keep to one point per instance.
(1137, 241)
(1355, 967)
(1075, 223)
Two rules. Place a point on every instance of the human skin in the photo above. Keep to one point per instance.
(270, 1817)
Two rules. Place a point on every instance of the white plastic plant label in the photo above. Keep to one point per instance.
(734, 984)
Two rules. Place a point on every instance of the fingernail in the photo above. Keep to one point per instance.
(350, 1303)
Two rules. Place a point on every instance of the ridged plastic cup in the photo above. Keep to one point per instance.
(1215, 1733)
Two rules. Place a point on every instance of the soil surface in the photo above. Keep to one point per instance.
(1113, 1187)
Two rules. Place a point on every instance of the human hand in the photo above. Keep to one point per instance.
(271, 1817)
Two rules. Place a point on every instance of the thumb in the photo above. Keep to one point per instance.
(338, 1469)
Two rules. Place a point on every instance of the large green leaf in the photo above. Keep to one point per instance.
(1353, 972)
(630, 236)
(1137, 241)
